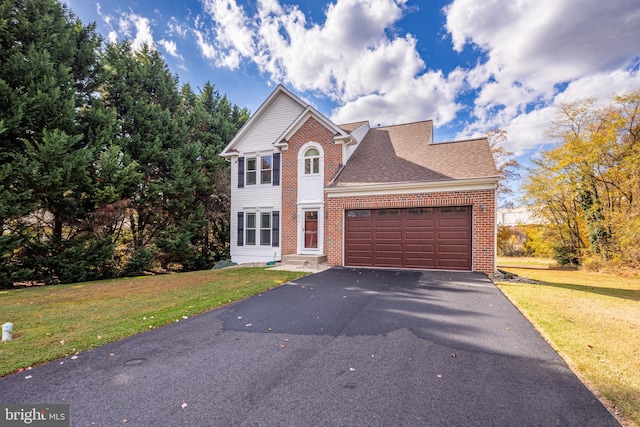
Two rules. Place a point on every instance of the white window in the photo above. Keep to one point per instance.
(251, 171)
(250, 229)
(265, 169)
(311, 162)
(265, 229)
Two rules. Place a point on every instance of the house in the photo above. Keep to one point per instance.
(356, 195)
(518, 216)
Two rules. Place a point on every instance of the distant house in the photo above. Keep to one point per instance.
(354, 195)
(517, 216)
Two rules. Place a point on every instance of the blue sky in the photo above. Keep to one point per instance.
(469, 65)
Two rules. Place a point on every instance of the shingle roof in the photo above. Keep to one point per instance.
(350, 127)
(404, 153)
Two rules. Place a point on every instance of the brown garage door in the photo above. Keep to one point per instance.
(433, 238)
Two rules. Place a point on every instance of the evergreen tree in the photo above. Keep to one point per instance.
(47, 64)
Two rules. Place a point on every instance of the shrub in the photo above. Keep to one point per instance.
(139, 262)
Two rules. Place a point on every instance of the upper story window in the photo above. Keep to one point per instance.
(251, 170)
(311, 161)
(259, 170)
(265, 169)
(262, 164)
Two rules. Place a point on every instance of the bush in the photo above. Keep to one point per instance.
(565, 255)
(139, 262)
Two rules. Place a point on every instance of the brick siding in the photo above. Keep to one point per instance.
(312, 130)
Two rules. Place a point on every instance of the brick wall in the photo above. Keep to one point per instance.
(483, 221)
(311, 130)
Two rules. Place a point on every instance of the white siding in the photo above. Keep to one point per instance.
(260, 197)
(358, 135)
(275, 120)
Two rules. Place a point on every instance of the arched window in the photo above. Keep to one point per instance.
(311, 162)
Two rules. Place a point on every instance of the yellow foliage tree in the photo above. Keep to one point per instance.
(586, 186)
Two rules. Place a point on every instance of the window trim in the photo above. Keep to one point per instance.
(247, 229)
(265, 231)
(251, 172)
(263, 170)
(255, 236)
(314, 162)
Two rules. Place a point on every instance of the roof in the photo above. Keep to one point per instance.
(350, 127)
(405, 153)
(230, 150)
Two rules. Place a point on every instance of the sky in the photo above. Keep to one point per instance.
(468, 65)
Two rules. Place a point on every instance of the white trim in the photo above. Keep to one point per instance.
(413, 187)
(302, 208)
(302, 119)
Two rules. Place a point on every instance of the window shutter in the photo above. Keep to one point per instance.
(240, 228)
(240, 172)
(276, 169)
(275, 229)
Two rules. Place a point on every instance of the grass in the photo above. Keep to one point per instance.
(593, 321)
(55, 321)
(526, 262)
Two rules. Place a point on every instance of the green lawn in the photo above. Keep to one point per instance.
(593, 321)
(50, 322)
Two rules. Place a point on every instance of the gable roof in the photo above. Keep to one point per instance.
(405, 154)
(230, 150)
(302, 119)
(350, 127)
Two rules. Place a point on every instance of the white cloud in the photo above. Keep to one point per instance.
(143, 35)
(535, 47)
(207, 49)
(176, 27)
(113, 37)
(170, 47)
(353, 57)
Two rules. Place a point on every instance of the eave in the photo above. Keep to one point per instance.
(375, 189)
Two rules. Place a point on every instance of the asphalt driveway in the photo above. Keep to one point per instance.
(344, 347)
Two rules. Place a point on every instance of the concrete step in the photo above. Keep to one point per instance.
(303, 260)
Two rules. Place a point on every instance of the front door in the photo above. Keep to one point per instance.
(311, 229)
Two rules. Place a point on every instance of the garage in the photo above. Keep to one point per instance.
(425, 237)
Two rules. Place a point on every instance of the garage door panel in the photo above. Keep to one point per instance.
(419, 248)
(454, 235)
(360, 260)
(420, 262)
(360, 247)
(433, 238)
(451, 223)
(386, 261)
(388, 235)
(419, 235)
(419, 222)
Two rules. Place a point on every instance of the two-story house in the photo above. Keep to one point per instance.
(357, 195)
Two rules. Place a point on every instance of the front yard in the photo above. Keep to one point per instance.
(593, 321)
(55, 321)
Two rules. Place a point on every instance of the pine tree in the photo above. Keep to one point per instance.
(47, 65)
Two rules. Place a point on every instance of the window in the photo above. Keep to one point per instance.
(354, 214)
(389, 212)
(265, 170)
(251, 171)
(265, 229)
(268, 230)
(250, 229)
(311, 162)
(420, 211)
